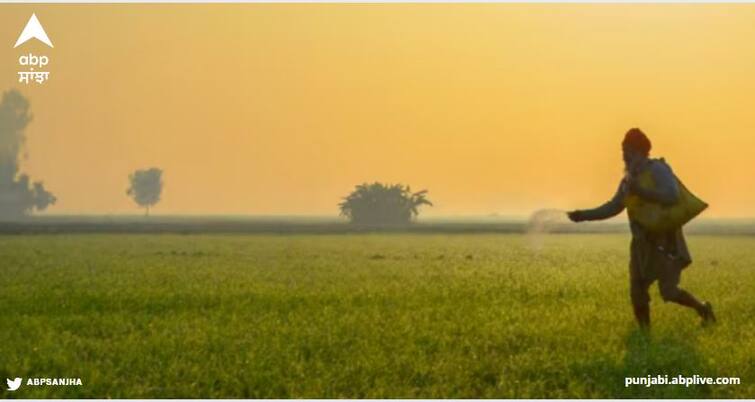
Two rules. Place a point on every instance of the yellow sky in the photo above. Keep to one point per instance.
(274, 109)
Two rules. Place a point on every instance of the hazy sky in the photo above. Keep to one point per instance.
(274, 109)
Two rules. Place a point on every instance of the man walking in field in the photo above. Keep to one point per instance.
(654, 255)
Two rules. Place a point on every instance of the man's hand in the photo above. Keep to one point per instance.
(576, 216)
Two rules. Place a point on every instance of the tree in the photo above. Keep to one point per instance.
(146, 187)
(379, 203)
(18, 195)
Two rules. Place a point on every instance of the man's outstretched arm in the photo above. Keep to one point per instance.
(608, 210)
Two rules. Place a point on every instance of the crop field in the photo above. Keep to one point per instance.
(363, 315)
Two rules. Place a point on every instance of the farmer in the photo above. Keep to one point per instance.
(653, 256)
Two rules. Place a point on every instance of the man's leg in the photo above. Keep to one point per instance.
(684, 298)
(668, 283)
(638, 291)
(642, 315)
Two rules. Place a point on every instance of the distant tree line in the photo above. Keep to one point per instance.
(19, 196)
(374, 203)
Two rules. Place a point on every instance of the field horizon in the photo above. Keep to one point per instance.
(333, 224)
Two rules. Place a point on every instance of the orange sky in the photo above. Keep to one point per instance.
(276, 109)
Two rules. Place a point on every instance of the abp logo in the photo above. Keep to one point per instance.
(33, 30)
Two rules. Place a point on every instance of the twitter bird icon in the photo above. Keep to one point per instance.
(13, 384)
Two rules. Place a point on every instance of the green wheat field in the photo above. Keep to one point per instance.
(363, 316)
